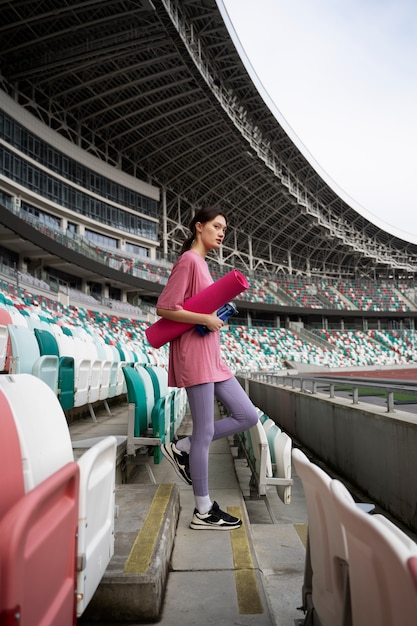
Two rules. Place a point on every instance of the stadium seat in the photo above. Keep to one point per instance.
(26, 357)
(38, 533)
(257, 451)
(11, 476)
(261, 458)
(96, 517)
(282, 446)
(148, 414)
(382, 587)
(86, 352)
(48, 345)
(44, 437)
(140, 393)
(117, 380)
(34, 321)
(267, 424)
(105, 356)
(159, 377)
(325, 589)
(45, 447)
(272, 431)
(412, 567)
(71, 347)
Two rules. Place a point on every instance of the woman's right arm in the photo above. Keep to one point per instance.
(210, 320)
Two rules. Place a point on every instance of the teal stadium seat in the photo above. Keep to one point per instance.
(48, 345)
(159, 377)
(148, 412)
(137, 395)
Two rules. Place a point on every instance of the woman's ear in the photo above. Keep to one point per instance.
(198, 227)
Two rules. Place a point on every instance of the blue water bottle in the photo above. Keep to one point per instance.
(225, 311)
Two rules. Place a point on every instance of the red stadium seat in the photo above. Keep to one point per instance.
(37, 538)
(11, 478)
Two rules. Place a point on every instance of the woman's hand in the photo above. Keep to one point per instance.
(213, 323)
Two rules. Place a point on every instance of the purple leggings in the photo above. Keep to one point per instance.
(205, 429)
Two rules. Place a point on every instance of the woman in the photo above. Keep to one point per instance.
(195, 363)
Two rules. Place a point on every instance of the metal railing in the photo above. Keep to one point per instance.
(330, 384)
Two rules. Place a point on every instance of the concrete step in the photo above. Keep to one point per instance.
(133, 586)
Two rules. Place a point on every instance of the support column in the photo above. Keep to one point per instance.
(164, 222)
(289, 262)
(250, 253)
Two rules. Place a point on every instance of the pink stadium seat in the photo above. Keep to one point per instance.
(37, 553)
(11, 476)
(412, 566)
(45, 449)
(325, 582)
(381, 588)
(37, 538)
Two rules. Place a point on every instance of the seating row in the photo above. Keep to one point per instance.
(360, 569)
(56, 515)
(268, 452)
(74, 360)
(96, 345)
(81, 368)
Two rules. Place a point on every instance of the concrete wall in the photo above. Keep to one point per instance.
(374, 450)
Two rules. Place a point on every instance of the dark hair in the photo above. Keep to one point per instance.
(202, 216)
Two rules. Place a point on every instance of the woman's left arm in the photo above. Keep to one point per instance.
(210, 320)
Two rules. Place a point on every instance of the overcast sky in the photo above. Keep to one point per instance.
(343, 75)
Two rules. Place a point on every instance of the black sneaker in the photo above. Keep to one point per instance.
(215, 519)
(180, 461)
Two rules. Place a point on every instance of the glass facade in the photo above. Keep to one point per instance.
(44, 183)
(135, 249)
(102, 240)
(6, 199)
(42, 216)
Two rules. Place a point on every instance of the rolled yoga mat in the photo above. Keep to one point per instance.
(210, 299)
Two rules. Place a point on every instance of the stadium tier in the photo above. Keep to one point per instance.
(109, 339)
(373, 297)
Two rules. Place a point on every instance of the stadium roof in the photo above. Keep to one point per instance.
(158, 89)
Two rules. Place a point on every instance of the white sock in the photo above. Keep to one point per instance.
(203, 504)
(184, 445)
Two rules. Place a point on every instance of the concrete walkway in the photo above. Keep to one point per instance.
(164, 571)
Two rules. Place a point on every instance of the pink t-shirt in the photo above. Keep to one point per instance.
(193, 359)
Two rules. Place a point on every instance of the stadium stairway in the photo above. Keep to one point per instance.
(164, 571)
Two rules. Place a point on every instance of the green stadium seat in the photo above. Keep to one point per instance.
(48, 345)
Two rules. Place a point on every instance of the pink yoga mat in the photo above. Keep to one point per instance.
(207, 301)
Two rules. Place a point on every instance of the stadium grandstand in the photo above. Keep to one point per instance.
(118, 120)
